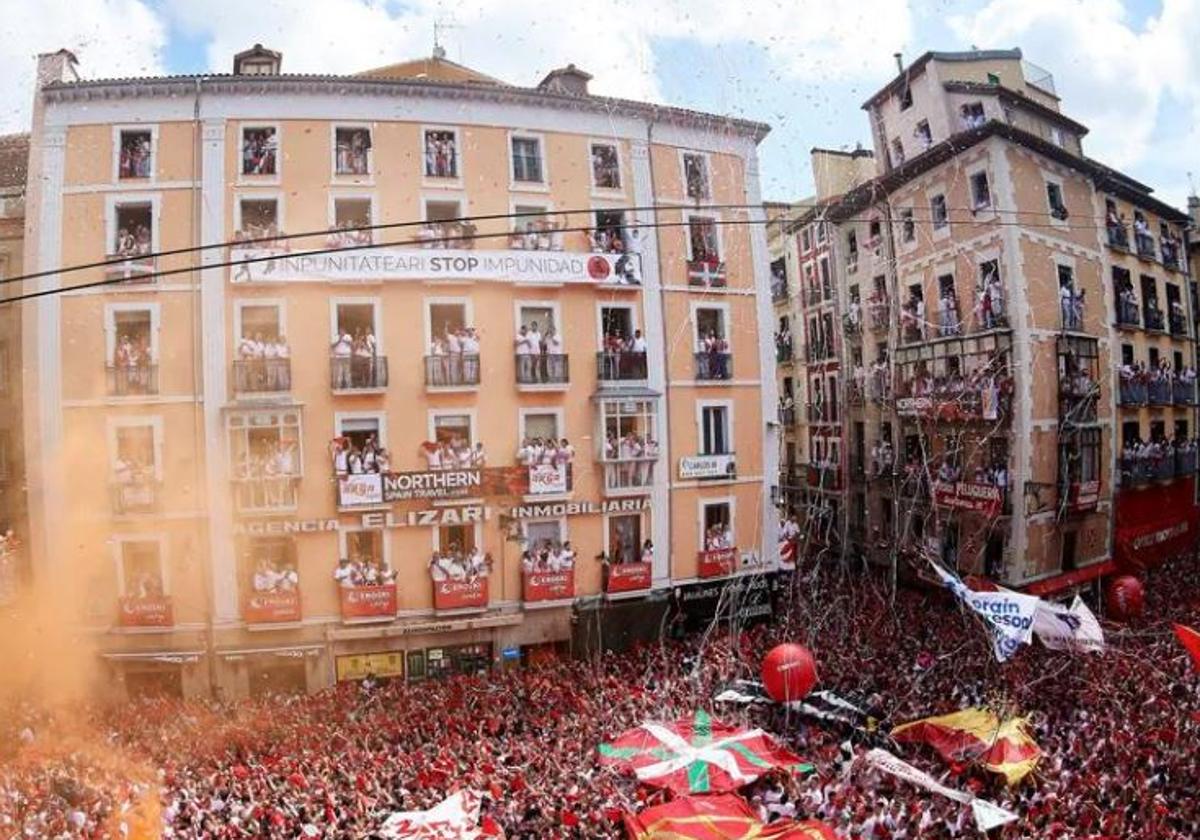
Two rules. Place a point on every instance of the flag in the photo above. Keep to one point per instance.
(698, 755)
(454, 818)
(1068, 628)
(987, 815)
(1008, 615)
(722, 817)
(1005, 748)
(1190, 640)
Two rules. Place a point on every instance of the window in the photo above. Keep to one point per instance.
(351, 223)
(260, 149)
(874, 232)
(355, 324)
(258, 218)
(446, 320)
(608, 236)
(442, 210)
(805, 241)
(993, 79)
(718, 526)
(543, 533)
(981, 194)
(364, 548)
(616, 324)
(527, 160)
(923, 134)
(540, 424)
(852, 246)
(625, 538)
(265, 457)
(441, 153)
(132, 346)
(625, 418)
(702, 239)
(938, 213)
(606, 167)
(833, 402)
(1127, 354)
(972, 115)
(908, 228)
(534, 229)
(897, 152)
(141, 569)
(1056, 135)
(352, 151)
(359, 430)
(820, 233)
(135, 155)
(710, 324)
(715, 438)
(1054, 196)
(453, 429)
(904, 97)
(267, 562)
(134, 460)
(695, 176)
(134, 229)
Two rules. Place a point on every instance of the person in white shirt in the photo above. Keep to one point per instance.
(566, 452)
(287, 580)
(437, 569)
(343, 574)
(342, 348)
(638, 345)
(339, 451)
(647, 555)
(554, 356)
(554, 559)
(525, 453)
(566, 557)
(265, 578)
(478, 457)
(524, 362)
(433, 456)
(356, 462)
(454, 350)
(466, 457)
(470, 352)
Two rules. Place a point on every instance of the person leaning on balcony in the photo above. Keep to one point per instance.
(344, 573)
(524, 359)
(341, 350)
(552, 349)
(470, 354)
(265, 577)
(478, 457)
(646, 555)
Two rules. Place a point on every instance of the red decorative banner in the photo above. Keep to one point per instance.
(982, 498)
(1084, 495)
(717, 563)
(549, 586)
(460, 594)
(151, 611)
(628, 577)
(272, 607)
(368, 601)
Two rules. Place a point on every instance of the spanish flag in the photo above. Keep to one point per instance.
(1190, 640)
(722, 817)
(1004, 747)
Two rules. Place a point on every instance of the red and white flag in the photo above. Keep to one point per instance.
(454, 818)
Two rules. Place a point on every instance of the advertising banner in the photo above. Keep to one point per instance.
(548, 479)
(707, 466)
(151, 611)
(628, 577)
(717, 563)
(375, 488)
(272, 607)
(549, 586)
(460, 594)
(745, 600)
(368, 601)
(981, 498)
(1084, 496)
(357, 667)
(419, 264)
(360, 490)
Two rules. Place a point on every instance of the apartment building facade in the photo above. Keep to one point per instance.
(14, 155)
(985, 421)
(510, 392)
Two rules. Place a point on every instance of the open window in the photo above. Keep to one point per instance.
(132, 346)
(441, 153)
(263, 357)
(269, 564)
(1054, 198)
(908, 226)
(716, 429)
(704, 245)
(352, 218)
(923, 134)
(356, 357)
(630, 445)
(351, 151)
(718, 525)
(136, 470)
(609, 236)
(606, 166)
(258, 219)
(135, 153)
(266, 458)
(132, 237)
(142, 572)
(712, 354)
(938, 213)
(260, 150)
(625, 539)
(695, 176)
(981, 193)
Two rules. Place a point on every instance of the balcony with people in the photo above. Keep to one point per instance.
(719, 557)
(882, 462)
(1116, 226)
(913, 325)
(263, 364)
(629, 452)
(540, 361)
(1126, 299)
(1079, 471)
(1184, 386)
(981, 487)
(879, 382)
(1154, 316)
(878, 311)
(459, 574)
(549, 464)
(787, 411)
(365, 581)
(784, 347)
(453, 362)
(712, 359)
(991, 305)
(1177, 320)
(1078, 379)
(133, 371)
(960, 383)
(547, 570)
(949, 322)
(133, 243)
(274, 591)
(1143, 238)
(623, 358)
(705, 268)
(1158, 459)
(628, 566)
(853, 316)
(1070, 300)
(265, 462)
(1133, 382)
(1171, 246)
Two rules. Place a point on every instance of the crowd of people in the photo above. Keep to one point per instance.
(349, 234)
(451, 233)
(540, 357)
(460, 564)
(713, 360)
(275, 576)
(538, 451)
(266, 474)
(994, 474)
(624, 356)
(634, 456)
(1118, 731)
(356, 360)
(135, 157)
(360, 570)
(259, 149)
(718, 537)
(265, 362)
(1161, 384)
(349, 458)
(133, 241)
(453, 453)
(454, 357)
(537, 234)
(1157, 458)
(548, 556)
(441, 155)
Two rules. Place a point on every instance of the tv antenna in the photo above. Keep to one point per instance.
(439, 27)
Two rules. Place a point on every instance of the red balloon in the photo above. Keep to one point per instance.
(789, 672)
(1126, 598)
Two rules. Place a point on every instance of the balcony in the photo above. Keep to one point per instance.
(628, 476)
(1177, 323)
(787, 416)
(358, 374)
(266, 495)
(262, 376)
(783, 352)
(1132, 392)
(1077, 398)
(1145, 246)
(135, 496)
(627, 577)
(708, 274)
(450, 372)
(274, 607)
(987, 499)
(1185, 462)
(460, 595)
(620, 366)
(1184, 392)
(139, 611)
(818, 351)
(949, 323)
(1071, 309)
(133, 269)
(542, 372)
(878, 315)
(1170, 255)
(1118, 236)
(548, 587)
(1154, 318)
(962, 402)
(879, 386)
(132, 380)
(720, 562)
(549, 480)
(779, 290)
(1135, 471)
(854, 393)
(1161, 392)
(824, 476)
(1127, 313)
(712, 367)
(852, 323)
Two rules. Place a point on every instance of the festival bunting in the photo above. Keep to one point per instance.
(723, 817)
(454, 818)
(1068, 628)
(1008, 615)
(1190, 640)
(1005, 748)
(698, 755)
(987, 815)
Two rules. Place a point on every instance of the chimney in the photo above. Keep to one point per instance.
(569, 80)
(899, 62)
(61, 66)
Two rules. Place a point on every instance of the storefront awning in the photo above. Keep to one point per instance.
(287, 651)
(1075, 577)
(173, 657)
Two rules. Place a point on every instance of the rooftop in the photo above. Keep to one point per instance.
(938, 55)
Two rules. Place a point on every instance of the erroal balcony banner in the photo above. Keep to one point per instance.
(982, 498)
(272, 607)
(723, 561)
(628, 577)
(417, 264)
(150, 611)
(547, 479)
(707, 466)
(460, 594)
(368, 601)
(549, 586)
